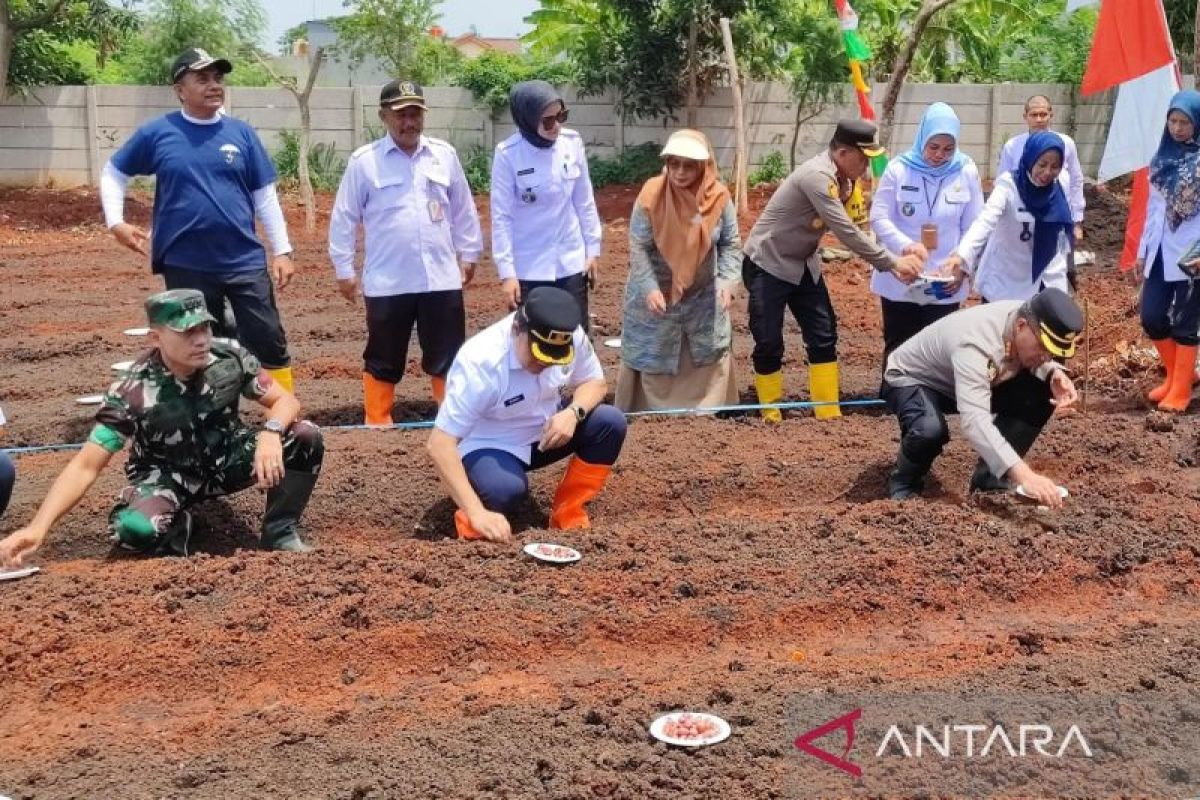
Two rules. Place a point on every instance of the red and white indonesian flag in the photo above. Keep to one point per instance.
(1131, 50)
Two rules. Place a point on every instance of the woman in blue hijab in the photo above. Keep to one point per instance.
(926, 199)
(1024, 240)
(1170, 307)
(545, 227)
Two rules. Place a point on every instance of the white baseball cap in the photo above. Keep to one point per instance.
(687, 143)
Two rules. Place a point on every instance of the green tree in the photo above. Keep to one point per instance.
(389, 30)
(654, 51)
(492, 75)
(227, 28)
(56, 41)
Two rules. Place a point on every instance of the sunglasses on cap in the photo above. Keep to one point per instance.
(560, 118)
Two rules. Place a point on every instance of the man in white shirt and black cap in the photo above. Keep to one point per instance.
(524, 393)
(997, 366)
(422, 240)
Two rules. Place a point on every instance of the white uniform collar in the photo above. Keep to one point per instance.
(390, 144)
(213, 120)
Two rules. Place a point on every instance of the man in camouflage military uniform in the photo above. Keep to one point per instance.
(179, 405)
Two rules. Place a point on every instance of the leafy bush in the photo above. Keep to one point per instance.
(325, 166)
(477, 163)
(492, 75)
(773, 169)
(634, 165)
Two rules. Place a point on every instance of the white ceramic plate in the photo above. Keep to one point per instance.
(136, 331)
(122, 366)
(612, 342)
(90, 400)
(552, 553)
(17, 574)
(659, 729)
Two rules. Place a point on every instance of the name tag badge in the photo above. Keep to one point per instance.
(909, 189)
(512, 401)
(529, 171)
(436, 212)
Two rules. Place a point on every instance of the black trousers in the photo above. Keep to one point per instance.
(441, 322)
(577, 285)
(1170, 309)
(252, 297)
(809, 303)
(902, 321)
(921, 412)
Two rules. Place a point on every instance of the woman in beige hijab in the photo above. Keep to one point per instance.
(684, 265)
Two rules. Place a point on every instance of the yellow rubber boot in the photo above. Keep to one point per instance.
(438, 387)
(377, 400)
(1180, 394)
(770, 390)
(823, 387)
(283, 376)
(581, 483)
(1166, 353)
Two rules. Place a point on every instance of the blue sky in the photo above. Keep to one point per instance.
(490, 17)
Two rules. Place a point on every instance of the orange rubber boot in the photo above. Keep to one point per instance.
(462, 526)
(1180, 394)
(581, 483)
(1166, 353)
(438, 387)
(377, 400)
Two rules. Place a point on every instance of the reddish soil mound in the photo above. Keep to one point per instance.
(396, 662)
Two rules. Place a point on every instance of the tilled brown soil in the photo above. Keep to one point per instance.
(732, 567)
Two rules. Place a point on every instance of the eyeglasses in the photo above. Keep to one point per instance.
(555, 119)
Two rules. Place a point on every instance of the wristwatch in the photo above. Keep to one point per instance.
(580, 414)
(273, 426)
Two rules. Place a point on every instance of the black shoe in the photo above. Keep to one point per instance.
(175, 541)
(1018, 433)
(907, 480)
(285, 503)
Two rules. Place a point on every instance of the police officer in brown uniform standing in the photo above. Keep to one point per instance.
(782, 265)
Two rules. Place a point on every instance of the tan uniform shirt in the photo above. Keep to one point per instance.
(787, 237)
(963, 356)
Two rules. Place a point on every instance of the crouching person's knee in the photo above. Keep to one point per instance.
(925, 439)
(307, 449)
(133, 529)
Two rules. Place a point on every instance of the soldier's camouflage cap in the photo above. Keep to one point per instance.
(178, 309)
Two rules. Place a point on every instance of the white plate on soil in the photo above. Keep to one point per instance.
(663, 729)
(612, 342)
(136, 331)
(552, 553)
(90, 400)
(17, 574)
(122, 366)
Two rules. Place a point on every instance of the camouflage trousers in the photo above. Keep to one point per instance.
(157, 493)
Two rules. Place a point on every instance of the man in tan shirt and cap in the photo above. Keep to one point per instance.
(782, 265)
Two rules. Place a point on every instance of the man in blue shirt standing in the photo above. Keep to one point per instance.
(213, 177)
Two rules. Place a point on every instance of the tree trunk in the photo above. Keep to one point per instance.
(796, 134)
(693, 92)
(1196, 45)
(740, 172)
(903, 63)
(306, 189)
(6, 45)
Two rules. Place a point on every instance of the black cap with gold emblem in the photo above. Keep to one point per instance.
(551, 316)
(1059, 321)
(401, 94)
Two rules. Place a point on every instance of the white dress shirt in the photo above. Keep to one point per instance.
(492, 402)
(1071, 176)
(998, 249)
(1157, 234)
(904, 201)
(544, 220)
(416, 213)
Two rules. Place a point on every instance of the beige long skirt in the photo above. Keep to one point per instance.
(691, 387)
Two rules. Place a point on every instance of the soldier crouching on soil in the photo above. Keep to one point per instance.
(179, 406)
